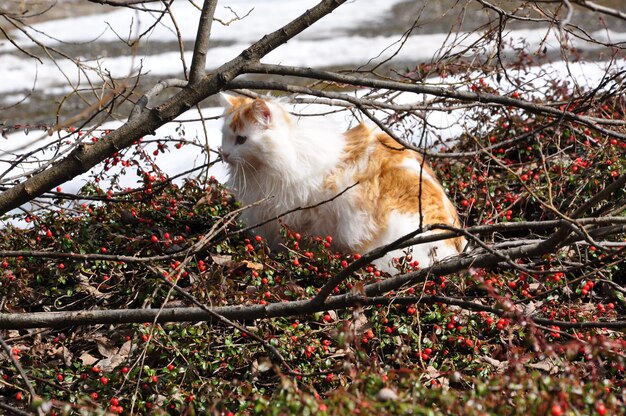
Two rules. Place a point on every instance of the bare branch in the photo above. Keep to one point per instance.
(600, 8)
(144, 101)
(198, 63)
(479, 97)
(251, 312)
(123, 3)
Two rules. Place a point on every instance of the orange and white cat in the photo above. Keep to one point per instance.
(289, 162)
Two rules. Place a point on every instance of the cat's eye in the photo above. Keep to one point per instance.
(240, 139)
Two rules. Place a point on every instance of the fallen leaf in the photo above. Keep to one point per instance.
(93, 291)
(253, 265)
(221, 260)
(499, 366)
(111, 362)
(106, 347)
(87, 359)
(547, 366)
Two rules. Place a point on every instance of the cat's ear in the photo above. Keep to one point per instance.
(229, 101)
(262, 113)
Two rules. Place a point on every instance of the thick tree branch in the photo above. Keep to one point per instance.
(198, 63)
(251, 312)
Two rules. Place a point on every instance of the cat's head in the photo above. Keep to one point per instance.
(253, 132)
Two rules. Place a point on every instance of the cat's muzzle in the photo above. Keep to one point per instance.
(223, 154)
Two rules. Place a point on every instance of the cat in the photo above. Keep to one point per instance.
(287, 162)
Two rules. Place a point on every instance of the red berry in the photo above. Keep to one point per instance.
(94, 395)
(104, 380)
(115, 401)
(170, 367)
(18, 395)
(154, 239)
(557, 410)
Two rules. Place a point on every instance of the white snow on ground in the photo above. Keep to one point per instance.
(265, 16)
(20, 73)
(326, 43)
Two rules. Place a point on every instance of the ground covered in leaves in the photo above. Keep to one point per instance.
(448, 355)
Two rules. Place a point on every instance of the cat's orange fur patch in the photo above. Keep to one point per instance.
(387, 185)
(241, 112)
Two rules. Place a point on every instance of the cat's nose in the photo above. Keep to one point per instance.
(224, 154)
